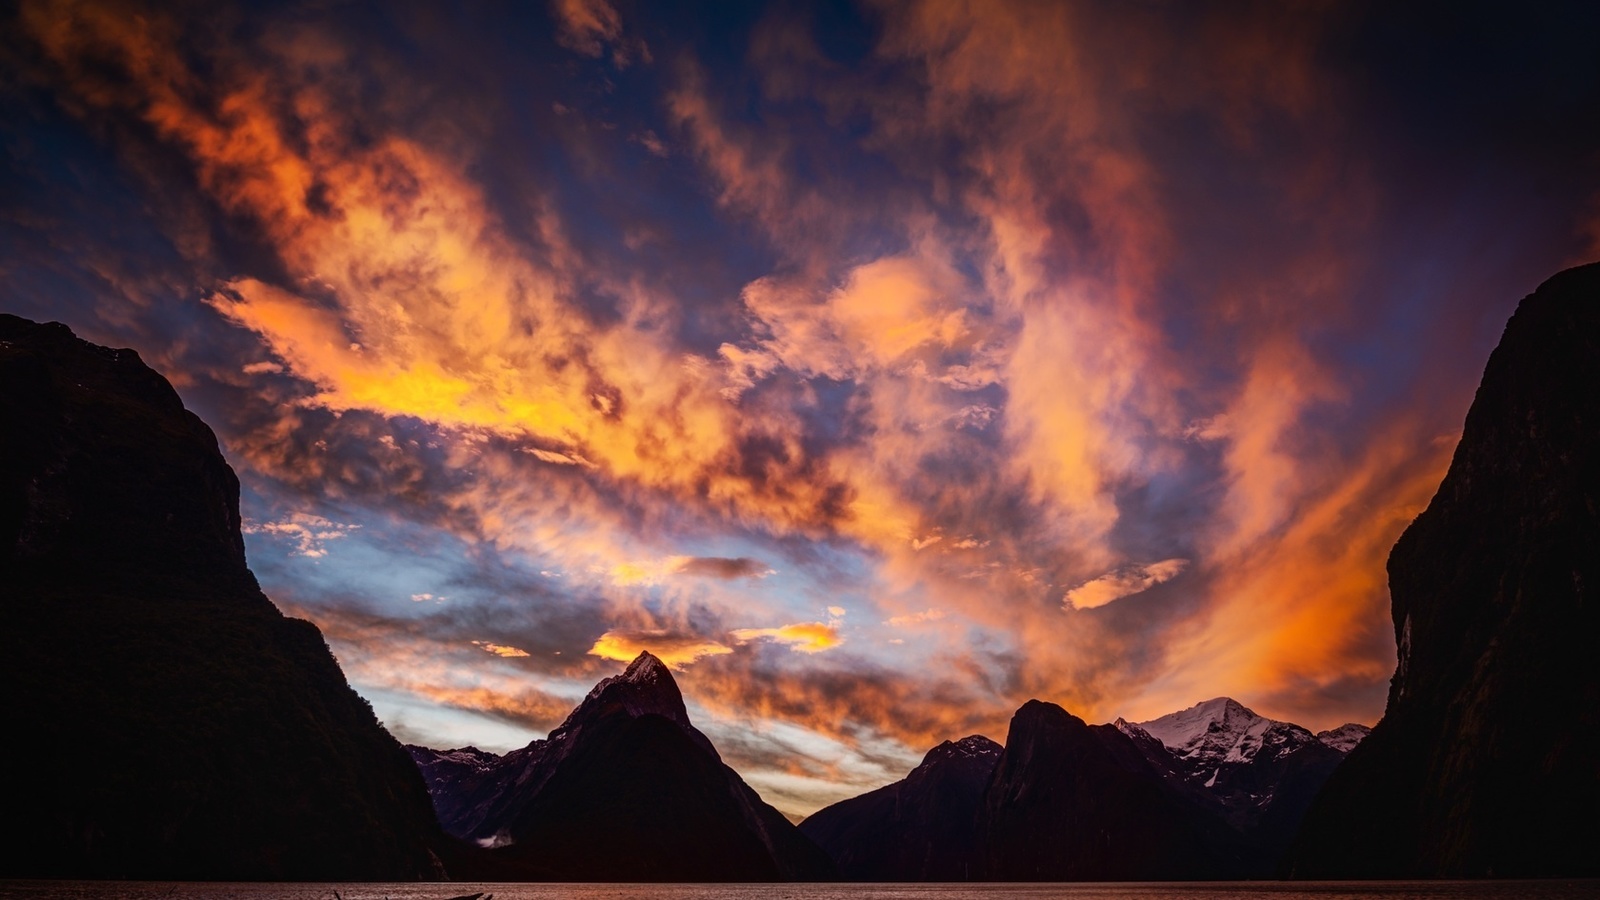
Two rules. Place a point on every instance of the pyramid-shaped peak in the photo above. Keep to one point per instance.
(646, 668)
(645, 687)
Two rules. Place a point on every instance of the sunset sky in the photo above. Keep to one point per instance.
(879, 366)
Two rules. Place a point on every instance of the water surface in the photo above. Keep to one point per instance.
(1275, 890)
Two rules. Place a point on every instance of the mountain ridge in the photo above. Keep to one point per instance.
(1242, 820)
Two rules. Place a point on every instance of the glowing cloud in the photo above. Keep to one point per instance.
(500, 649)
(1123, 582)
(958, 335)
(676, 650)
(719, 567)
(804, 637)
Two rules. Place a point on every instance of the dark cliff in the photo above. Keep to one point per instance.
(1487, 760)
(1075, 802)
(923, 827)
(166, 720)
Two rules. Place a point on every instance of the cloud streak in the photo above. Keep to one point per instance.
(1123, 582)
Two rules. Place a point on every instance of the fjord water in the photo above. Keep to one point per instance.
(1276, 890)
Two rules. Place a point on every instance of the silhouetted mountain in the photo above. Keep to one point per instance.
(1218, 788)
(1074, 802)
(1487, 760)
(626, 789)
(1257, 773)
(923, 827)
(166, 720)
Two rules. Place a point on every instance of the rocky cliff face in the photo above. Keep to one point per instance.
(1075, 802)
(626, 789)
(1487, 760)
(921, 828)
(164, 719)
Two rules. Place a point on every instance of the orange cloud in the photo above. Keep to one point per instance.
(676, 650)
(1123, 582)
(1307, 612)
(586, 25)
(501, 650)
(410, 300)
(805, 637)
(1007, 366)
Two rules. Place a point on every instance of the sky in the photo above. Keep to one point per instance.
(879, 366)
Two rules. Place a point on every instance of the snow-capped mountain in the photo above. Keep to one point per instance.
(1261, 774)
(1213, 791)
(1345, 737)
(1222, 732)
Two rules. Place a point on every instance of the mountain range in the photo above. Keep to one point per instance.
(1212, 791)
(197, 733)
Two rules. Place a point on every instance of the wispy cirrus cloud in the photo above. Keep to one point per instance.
(310, 533)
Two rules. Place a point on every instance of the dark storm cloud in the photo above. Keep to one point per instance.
(724, 567)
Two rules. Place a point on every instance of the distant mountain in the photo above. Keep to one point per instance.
(1487, 759)
(1208, 792)
(626, 789)
(1345, 737)
(1257, 773)
(921, 828)
(1075, 802)
(165, 720)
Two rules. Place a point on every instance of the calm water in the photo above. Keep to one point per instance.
(1412, 890)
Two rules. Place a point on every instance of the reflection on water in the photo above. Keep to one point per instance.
(1298, 890)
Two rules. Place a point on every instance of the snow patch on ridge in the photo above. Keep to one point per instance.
(1345, 737)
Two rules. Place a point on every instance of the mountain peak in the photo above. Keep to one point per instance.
(1345, 737)
(1221, 730)
(645, 687)
(107, 475)
(646, 669)
(971, 747)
